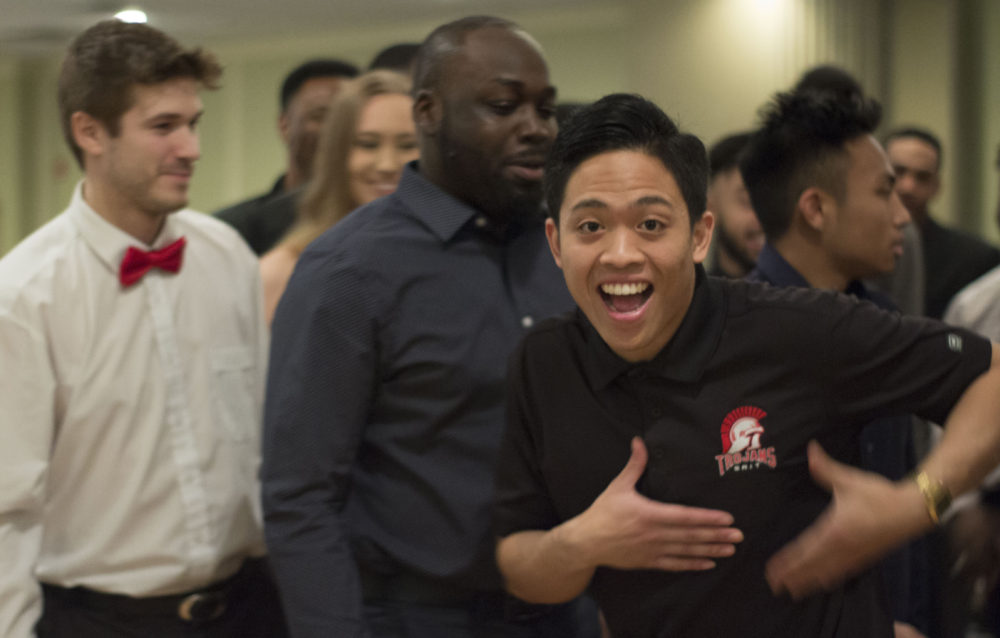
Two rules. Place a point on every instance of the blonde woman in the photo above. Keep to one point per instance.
(367, 138)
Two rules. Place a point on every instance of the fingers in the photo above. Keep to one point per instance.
(796, 569)
(820, 466)
(669, 514)
(636, 465)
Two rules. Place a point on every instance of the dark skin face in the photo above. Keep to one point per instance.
(487, 127)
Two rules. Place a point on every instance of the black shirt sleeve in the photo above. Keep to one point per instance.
(883, 363)
(522, 501)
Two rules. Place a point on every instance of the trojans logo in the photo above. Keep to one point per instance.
(741, 449)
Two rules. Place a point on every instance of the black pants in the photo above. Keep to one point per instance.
(252, 610)
(389, 619)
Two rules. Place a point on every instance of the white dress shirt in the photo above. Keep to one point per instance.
(129, 417)
(977, 306)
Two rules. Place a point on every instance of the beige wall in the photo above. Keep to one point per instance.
(710, 63)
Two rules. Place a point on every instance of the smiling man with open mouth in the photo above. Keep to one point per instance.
(663, 443)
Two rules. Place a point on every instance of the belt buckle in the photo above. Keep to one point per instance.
(202, 607)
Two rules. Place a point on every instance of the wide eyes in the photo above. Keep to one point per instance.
(646, 225)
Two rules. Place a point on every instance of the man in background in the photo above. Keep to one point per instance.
(396, 57)
(385, 400)
(952, 258)
(133, 350)
(739, 236)
(305, 98)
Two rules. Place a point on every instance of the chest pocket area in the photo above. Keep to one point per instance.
(233, 395)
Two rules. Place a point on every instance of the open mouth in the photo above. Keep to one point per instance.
(625, 298)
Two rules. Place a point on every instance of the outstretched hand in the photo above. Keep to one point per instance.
(624, 529)
(868, 516)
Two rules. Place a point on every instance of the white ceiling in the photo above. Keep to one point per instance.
(42, 26)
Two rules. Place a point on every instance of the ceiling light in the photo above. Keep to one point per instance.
(132, 15)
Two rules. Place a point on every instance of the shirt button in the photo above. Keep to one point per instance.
(480, 222)
(658, 453)
(655, 412)
(527, 321)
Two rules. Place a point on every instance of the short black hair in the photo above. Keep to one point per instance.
(921, 134)
(444, 41)
(827, 78)
(801, 143)
(319, 68)
(726, 153)
(626, 122)
(396, 57)
(565, 109)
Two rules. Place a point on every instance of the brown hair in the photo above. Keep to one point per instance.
(327, 198)
(104, 63)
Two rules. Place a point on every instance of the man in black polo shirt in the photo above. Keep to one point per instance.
(712, 394)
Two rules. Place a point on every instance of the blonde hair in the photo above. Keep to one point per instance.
(327, 198)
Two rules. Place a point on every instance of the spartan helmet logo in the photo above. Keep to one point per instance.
(741, 429)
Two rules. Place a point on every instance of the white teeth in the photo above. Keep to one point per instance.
(624, 289)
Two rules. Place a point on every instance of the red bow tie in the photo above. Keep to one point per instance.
(137, 263)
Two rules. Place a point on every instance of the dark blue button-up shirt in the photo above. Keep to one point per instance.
(385, 398)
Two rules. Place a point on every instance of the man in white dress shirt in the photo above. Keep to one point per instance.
(132, 353)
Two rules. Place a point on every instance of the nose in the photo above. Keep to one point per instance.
(188, 144)
(536, 126)
(905, 183)
(621, 250)
(388, 159)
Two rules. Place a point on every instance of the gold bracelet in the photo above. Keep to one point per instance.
(937, 498)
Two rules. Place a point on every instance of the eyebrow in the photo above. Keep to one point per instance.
(520, 84)
(645, 200)
(172, 115)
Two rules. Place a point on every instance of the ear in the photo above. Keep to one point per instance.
(427, 112)
(815, 205)
(701, 236)
(552, 233)
(283, 125)
(88, 133)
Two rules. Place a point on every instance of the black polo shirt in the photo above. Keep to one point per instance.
(726, 410)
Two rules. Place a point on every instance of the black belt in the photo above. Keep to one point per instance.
(407, 587)
(196, 607)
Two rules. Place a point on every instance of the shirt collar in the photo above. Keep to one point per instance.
(108, 241)
(775, 269)
(440, 212)
(686, 355)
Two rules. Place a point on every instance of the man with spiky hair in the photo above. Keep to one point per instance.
(832, 218)
(133, 348)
